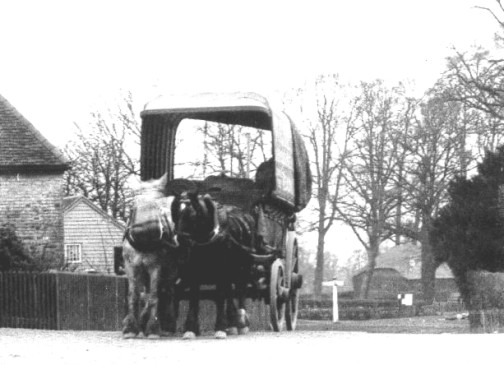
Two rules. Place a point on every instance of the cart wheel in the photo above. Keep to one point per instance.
(296, 280)
(278, 295)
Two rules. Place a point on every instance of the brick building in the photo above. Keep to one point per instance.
(31, 185)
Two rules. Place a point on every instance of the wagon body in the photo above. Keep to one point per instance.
(287, 193)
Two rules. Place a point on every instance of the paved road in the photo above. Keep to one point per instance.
(22, 346)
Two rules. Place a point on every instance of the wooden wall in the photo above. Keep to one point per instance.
(97, 234)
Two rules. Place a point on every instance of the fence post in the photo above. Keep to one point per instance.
(88, 303)
(58, 309)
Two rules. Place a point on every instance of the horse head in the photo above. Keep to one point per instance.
(150, 224)
(196, 218)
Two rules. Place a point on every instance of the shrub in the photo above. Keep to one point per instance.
(12, 253)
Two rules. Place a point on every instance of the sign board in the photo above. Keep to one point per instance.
(405, 299)
(284, 159)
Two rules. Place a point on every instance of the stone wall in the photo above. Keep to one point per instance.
(32, 202)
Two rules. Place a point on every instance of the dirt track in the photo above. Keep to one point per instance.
(23, 346)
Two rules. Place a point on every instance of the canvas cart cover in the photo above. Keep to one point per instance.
(292, 167)
(161, 117)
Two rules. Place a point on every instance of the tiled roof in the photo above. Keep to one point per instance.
(22, 147)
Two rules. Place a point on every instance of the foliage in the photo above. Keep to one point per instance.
(468, 232)
(13, 255)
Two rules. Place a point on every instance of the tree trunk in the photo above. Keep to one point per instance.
(429, 265)
(319, 268)
(366, 282)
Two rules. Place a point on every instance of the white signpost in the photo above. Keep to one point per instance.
(405, 299)
(334, 283)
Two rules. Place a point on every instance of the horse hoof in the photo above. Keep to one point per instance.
(129, 335)
(220, 335)
(153, 336)
(189, 335)
(232, 331)
(243, 331)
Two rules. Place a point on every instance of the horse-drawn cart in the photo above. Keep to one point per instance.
(280, 189)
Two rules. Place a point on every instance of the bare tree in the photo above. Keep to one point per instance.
(477, 79)
(233, 147)
(369, 172)
(328, 116)
(102, 156)
(232, 150)
(436, 154)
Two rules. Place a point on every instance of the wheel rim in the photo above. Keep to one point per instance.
(291, 310)
(277, 302)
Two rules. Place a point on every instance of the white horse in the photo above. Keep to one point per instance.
(150, 263)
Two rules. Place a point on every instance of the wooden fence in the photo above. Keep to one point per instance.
(62, 301)
(76, 301)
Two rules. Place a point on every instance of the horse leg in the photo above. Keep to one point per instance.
(231, 313)
(144, 300)
(130, 322)
(153, 327)
(242, 319)
(191, 327)
(168, 303)
(220, 323)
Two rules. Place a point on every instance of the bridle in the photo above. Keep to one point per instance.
(188, 237)
(163, 225)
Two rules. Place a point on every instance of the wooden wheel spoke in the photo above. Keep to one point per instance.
(277, 300)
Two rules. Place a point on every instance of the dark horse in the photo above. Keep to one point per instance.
(149, 253)
(217, 240)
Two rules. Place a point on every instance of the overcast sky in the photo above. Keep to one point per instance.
(60, 60)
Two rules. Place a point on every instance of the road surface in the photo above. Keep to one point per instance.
(24, 346)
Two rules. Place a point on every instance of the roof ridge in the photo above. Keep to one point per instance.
(56, 152)
(75, 199)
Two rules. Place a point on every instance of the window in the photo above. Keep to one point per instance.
(73, 253)
(209, 149)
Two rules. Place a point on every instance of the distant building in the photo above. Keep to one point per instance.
(31, 185)
(398, 271)
(90, 236)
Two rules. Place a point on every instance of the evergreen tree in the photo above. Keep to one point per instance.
(468, 233)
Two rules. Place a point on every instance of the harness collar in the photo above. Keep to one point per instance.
(212, 237)
(165, 234)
